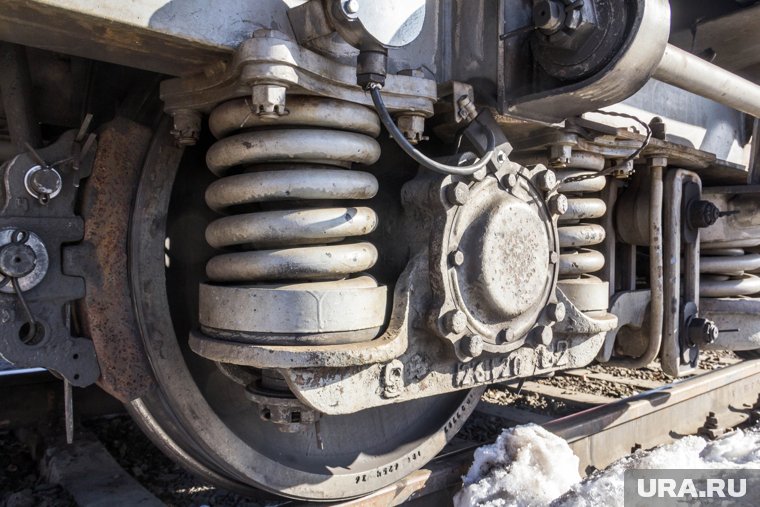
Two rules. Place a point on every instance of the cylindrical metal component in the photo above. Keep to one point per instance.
(271, 246)
(575, 234)
(728, 273)
(16, 91)
(691, 73)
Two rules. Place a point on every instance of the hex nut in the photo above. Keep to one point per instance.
(509, 181)
(187, 127)
(556, 312)
(507, 336)
(553, 257)
(472, 346)
(546, 180)
(268, 100)
(544, 335)
(456, 258)
(558, 205)
(455, 322)
(412, 126)
(351, 7)
(458, 193)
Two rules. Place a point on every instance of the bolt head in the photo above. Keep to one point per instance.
(546, 180)
(507, 336)
(509, 181)
(456, 258)
(558, 205)
(268, 101)
(472, 346)
(545, 334)
(17, 261)
(46, 181)
(501, 158)
(351, 7)
(556, 312)
(455, 322)
(458, 193)
(553, 257)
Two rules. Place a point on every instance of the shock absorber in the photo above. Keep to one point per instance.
(290, 273)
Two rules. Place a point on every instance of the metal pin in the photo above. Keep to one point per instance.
(68, 404)
(317, 432)
(84, 127)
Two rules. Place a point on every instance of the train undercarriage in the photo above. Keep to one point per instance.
(299, 250)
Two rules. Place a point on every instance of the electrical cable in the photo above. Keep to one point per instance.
(418, 156)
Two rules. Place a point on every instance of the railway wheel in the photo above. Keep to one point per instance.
(198, 416)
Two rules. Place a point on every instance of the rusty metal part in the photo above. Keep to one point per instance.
(105, 313)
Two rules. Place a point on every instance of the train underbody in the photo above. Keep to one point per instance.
(299, 238)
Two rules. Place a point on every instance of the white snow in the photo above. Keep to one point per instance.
(529, 467)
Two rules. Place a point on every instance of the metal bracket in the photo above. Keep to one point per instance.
(54, 223)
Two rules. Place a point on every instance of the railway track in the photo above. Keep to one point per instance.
(598, 428)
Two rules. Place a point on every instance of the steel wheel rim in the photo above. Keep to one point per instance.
(215, 447)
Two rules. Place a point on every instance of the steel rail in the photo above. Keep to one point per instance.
(603, 434)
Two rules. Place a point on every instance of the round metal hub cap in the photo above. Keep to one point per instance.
(513, 264)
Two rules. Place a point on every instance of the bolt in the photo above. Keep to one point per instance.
(556, 312)
(455, 322)
(702, 332)
(553, 257)
(509, 181)
(544, 335)
(548, 15)
(558, 205)
(501, 158)
(17, 261)
(46, 181)
(546, 180)
(472, 346)
(456, 258)
(560, 155)
(467, 110)
(507, 335)
(412, 126)
(351, 7)
(458, 193)
(187, 127)
(702, 214)
(268, 100)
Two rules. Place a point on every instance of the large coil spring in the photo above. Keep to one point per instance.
(293, 164)
(290, 256)
(728, 272)
(575, 234)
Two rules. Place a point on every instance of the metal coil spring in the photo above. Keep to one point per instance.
(728, 272)
(304, 157)
(575, 235)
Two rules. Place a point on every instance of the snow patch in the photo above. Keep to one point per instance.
(529, 467)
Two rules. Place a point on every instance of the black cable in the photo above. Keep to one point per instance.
(631, 157)
(417, 155)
